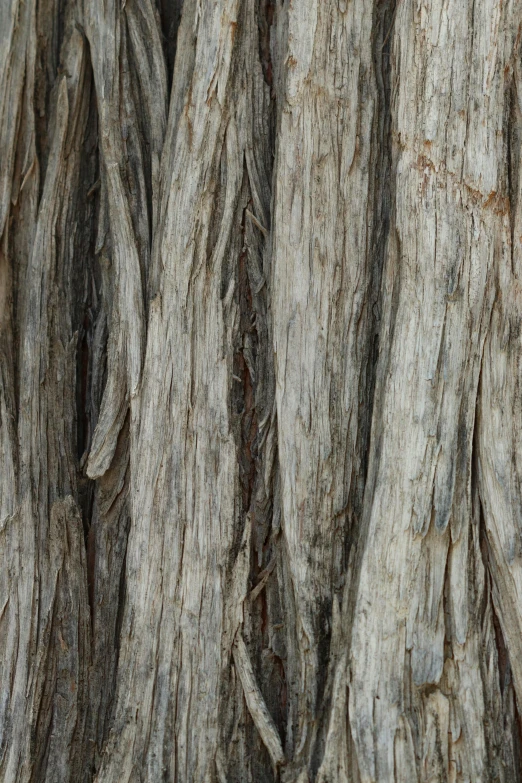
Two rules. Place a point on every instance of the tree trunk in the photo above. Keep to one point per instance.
(260, 386)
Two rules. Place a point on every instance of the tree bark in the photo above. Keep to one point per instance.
(260, 371)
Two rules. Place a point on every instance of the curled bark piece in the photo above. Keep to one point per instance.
(256, 704)
(263, 579)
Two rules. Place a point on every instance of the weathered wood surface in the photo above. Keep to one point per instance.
(260, 348)
(414, 656)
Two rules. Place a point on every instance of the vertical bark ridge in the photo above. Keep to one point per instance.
(336, 753)
(16, 48)
(127, 200)
(189, 544)
(499, 461)
(131, 92)
(15, 33)
(414, 654)
(17, 136)
(321, 280)
(44, 679)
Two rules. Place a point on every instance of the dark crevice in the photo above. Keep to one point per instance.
(85, 285)
(170, 15)
(382, 150)
(50, 26)
(122, 593)
(266, 20)
(243, 378)
(252, 392)
(384, 250)
(513, 140)
(91, 570)
(244, 399)
(267, 627)
(504, 668)
(82, 384)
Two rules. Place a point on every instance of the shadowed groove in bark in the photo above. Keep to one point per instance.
(170, 14)
(244, 364)
(252, 398)
(513, 135)
(382, 206)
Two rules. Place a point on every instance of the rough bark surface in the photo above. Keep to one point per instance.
(260, 385)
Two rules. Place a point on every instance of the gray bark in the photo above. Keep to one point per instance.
(260, 383)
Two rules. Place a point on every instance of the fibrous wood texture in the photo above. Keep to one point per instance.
(260, 384)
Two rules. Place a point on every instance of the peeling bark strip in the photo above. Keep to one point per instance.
(256, 705)
(260, 370)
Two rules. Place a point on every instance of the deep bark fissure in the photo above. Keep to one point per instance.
(267, 10)
(263, 602)
(243, 376)
(512, 130)
(252, 364)
(170, 15)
